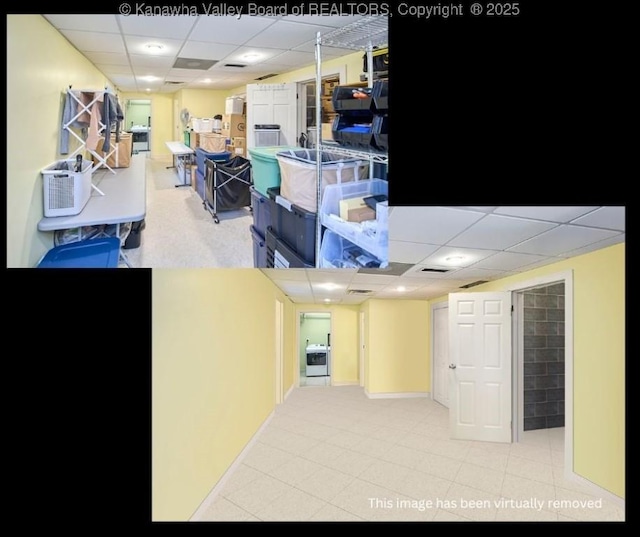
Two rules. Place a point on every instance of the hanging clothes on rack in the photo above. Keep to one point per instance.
(112, 113)
(72, 118)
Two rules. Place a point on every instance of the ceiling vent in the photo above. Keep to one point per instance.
(239, 65)
(437, 270)
(359, 292)
(173, 82)
(473, 284)
(264, 77)
(194, 63)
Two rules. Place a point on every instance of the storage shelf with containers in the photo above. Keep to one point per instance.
(327, 207)
(352, 228)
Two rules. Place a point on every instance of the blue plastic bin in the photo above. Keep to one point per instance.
(261, 208)
(90, 253)
(201, 155)
(259, 249)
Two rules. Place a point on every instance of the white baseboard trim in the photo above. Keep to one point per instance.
(210, 498)
(347, 383)
(596, 490)
(288, 392)
(400, 395)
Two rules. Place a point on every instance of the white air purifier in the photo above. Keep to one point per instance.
(66, 192)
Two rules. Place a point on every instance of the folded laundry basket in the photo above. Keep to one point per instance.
(227, 185)
(299, 174)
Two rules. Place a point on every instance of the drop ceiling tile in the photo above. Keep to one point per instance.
(140, 61)
(285, 34)
(294, 288)
(415, 272)
(108, 58)
(354, 300)
(409, 252)
(430, 225)
(369, 286)
(329, 289)
(172, 27)
(604, 217)
(473, 273)
(332, 21)
(509, 261)
(87, 23)
(549, 213)
(206, 51)
(294, 58)
(364, 279)
(562, 239)
(229, 30)
(137, 45)
(190, 74)
(330, 275)
(598, 245)
(500, 232)
(326, 52)
(115, 70)
(470, 255)
(123, 80)
(286, 274)
(95, 41)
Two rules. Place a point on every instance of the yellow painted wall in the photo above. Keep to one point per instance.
(398, 346)
(40, 66)
(203, 102)
(161, 120)
(213, 378)
(344, 340)
(598, 361)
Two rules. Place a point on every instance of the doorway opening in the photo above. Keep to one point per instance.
(137, 121)
(314, 349)
(307, 108)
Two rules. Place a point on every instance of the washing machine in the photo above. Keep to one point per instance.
(317, 361)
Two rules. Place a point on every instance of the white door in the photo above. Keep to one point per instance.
(272, 104)
(480, 368)
(441, 356)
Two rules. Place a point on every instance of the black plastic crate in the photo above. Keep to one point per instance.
(261, 208)
(344, 101)
(279, 255)
(380, 130)
(259, 249)
(295, 226)
(380, 95)
(353, 131)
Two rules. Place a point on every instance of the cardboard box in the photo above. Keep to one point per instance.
(194, 140)
(356, 210)
(239, 141)
(212, 143)
(233, 125)
(327, 133)
(236, 151)
(120, 153)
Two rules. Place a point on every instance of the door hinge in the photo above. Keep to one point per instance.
(511, 309)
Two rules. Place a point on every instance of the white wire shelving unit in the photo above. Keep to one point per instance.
(362, 35)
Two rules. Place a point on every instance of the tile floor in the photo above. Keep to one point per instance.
(332, 454)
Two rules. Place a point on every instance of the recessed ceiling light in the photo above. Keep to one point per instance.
(149, 78)
(207, 81)
(154, 48)
(401, 288)
(329, 286)
(327, 300)
(455, 259)
(250, 56)
(148, 89)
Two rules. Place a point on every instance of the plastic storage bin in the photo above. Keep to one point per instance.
(343, 100)
(265, 167)
(66, 192)
(373, 235)
(299, 174)
(259, 249)
(380, 96)
(279, 255)
(338, 252)
(380, 130)
(91, 253)
(202, 155)
(353, 131)
(294, 225)
(261, 208)
(233, 105)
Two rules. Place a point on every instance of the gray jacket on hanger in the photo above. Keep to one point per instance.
(112, 113)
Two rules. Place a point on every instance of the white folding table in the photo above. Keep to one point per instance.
(121, 199)
(182, 157)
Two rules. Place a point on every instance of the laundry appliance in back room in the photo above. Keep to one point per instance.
(317, 360)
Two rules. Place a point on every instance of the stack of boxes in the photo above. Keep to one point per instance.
(234, 126)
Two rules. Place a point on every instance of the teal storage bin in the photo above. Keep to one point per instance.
(265, 167)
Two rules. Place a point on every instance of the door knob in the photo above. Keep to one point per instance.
(452, 366)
